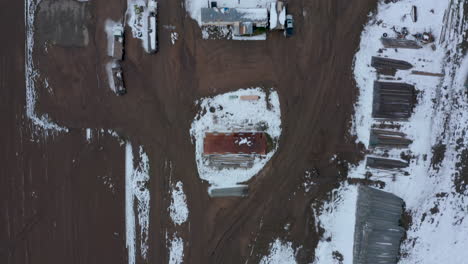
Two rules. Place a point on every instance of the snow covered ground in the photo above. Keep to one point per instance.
(176, 250)
(137, 20)
(178, 208)
(434, 190)
(137, 202)
(227, 113)
(280, 253)
(178, 211)
(337, 217)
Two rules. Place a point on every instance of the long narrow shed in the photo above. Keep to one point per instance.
(389, 66)
(383, 138)
(386, 164)
(230, 16)
(400, 43)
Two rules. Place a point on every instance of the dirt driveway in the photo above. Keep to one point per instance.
(312, 72)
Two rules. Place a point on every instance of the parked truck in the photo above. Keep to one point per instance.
(117, 77)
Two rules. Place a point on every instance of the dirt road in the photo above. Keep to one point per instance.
(56, 207)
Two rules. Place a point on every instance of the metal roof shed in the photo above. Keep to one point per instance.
(377, 234)
(393, 100)
(230, 16)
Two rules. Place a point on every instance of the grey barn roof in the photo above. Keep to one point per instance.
(393, 100)
(232, 15)
(385, 164)
(377, 234)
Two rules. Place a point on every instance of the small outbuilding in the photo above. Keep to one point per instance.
(382, 138)
(389, 66)
(377, 233)
(393, 100)
(386, 164)
(244, 21)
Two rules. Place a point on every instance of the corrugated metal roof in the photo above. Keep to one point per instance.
(210, 16)
(235, 143)
(377, 234)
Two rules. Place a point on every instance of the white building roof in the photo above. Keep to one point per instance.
(213, 16)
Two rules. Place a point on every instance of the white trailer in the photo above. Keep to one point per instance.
(152, 26)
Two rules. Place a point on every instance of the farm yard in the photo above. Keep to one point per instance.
(141, 132)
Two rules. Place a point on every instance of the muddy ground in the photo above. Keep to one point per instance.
(56, 203)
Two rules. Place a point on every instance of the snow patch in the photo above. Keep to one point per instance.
(337, 217)
(174, 37)
(176, 250)
(178, 208)
(280, 253)
(137, 202)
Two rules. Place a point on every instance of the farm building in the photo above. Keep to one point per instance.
(244, 21)
(386, 164)
(237, 191)
(389, 66)
(400, 43)
(393, 100)
(381, 138)
(235, 143)
(234, 150)
(377, 234)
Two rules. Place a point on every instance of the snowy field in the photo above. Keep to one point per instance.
(433, 190)
(227, 113)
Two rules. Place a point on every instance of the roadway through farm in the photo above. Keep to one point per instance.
(63, 194)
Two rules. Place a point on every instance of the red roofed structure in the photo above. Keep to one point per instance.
(235, 143)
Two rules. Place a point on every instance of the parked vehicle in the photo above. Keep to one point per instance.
(118, 80)
(152, 26)
(289, 31)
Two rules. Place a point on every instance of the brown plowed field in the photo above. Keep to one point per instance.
(56, 204)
